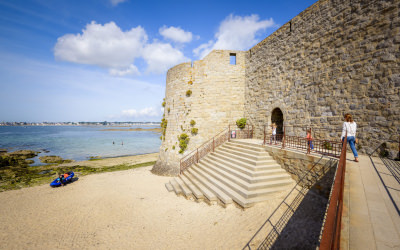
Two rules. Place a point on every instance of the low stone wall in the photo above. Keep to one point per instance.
(297, 164)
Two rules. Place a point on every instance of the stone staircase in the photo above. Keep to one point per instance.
(237, 172)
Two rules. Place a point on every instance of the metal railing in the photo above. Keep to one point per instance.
(324, 147)
(331, 234)
(277, 226)
(210, 145)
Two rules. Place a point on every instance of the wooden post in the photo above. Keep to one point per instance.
(197, 155)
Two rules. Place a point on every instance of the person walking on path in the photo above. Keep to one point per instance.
(351, 127)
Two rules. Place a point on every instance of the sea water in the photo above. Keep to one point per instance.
(79, 142)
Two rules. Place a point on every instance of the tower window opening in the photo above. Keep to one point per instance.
(232, 58)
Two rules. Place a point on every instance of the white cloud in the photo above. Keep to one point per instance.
(235, 33)
(131, 70)
(176, 34)
(116, 2)
(161, 56)
(146, 112)
(104, 45)
(109, 47)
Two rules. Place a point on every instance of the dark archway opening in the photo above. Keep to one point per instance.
(277, 118)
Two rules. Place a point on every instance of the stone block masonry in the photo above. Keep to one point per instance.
(335, 57)
(216, 99)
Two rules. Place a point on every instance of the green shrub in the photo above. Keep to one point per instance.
(190, 82)
(163, 126)
(241, 123)
(173, 147)
(195, 131)
(169, 110)
(188, 93)
(327, 145)
(192, 123)
(183, 142)
(163, 104)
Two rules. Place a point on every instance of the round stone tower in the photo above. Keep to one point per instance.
(201, 99)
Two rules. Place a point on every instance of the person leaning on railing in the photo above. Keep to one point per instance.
(351, 127)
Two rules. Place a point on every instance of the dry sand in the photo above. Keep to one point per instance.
(129, 209)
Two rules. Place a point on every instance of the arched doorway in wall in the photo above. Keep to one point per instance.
(277, 118)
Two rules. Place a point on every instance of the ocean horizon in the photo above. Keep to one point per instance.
(80, 142)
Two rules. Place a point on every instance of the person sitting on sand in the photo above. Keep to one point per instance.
(66, 175)
(61, 179)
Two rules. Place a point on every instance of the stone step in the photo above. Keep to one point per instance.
(236, 147)
(185, 189)
(237, 152)
(247, 143)
(195, 191)
(250, 164)
(169, 187)
(222, 183)
(248, 170)
(210, 184)
(250, 147)
(250, 182)
(223, 188)
(206, 191)
(175, 186)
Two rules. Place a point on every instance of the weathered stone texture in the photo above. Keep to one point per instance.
(335, 57)
(217, 99)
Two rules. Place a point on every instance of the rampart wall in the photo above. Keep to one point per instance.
(335, 57)
(217, 99)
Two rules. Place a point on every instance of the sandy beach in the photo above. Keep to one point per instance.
(129, 209)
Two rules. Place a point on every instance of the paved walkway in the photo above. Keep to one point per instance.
(371, 219)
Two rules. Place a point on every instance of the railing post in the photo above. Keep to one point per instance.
(229, 132)
(283, 139)
(308, 142)
(197, 155)
(248, 131)
(264, 135)
(213, 145)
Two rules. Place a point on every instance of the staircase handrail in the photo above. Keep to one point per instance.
(324, 147)
(183, 162)
(284, 202)
(205, 148)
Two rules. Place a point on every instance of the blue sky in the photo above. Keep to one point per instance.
(106, 60)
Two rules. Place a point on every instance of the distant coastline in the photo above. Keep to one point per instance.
(157, 130)
(105, 123)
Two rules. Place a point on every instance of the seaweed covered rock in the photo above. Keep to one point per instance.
(53, 159)
(17, 158)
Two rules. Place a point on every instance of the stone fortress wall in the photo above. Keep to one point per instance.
(335, 57)
(217, 99)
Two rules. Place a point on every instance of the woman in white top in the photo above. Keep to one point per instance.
(351, 127)
(273, 137)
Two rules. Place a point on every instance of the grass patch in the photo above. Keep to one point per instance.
(20, 177)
